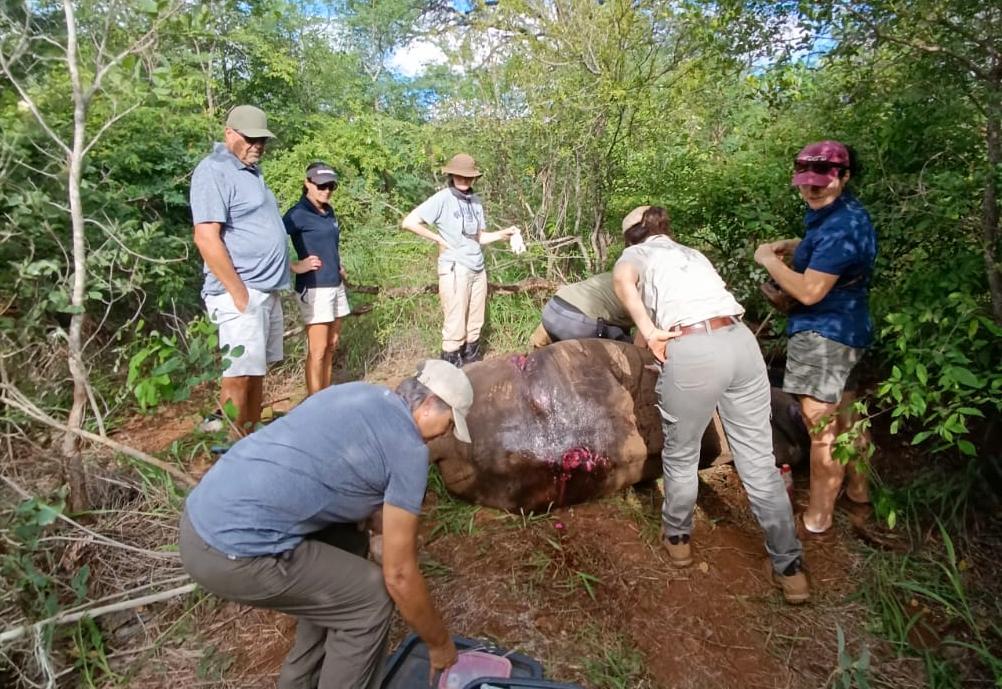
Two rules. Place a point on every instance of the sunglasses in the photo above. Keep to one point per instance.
(330, 186)
(254, 140)
(820, 167)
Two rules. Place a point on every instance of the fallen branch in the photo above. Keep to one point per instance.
(100, 538)
(66, 618)
(525, 286)
(16, 400)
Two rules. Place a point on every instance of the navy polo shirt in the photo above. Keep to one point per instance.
(315, 233)
(840, 240)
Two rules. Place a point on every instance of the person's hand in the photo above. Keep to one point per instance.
(241, 298)
(765, 253)
(308, 264)
(657, 342)
(344, 273)
(508, 231)
(375, 521)
(785, 246)
(441, 657)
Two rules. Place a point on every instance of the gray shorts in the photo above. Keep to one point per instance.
(818, 367)
(257, 330)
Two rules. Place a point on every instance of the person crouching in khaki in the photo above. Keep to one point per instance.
(457, 215)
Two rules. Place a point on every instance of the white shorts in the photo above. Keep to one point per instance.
(323, 304)
(257, 331)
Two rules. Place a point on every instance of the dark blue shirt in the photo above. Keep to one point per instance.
(336, 458)
(840, 240)
(315, 234)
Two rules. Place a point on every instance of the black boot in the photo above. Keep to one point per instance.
(455, 358)
(471, 352)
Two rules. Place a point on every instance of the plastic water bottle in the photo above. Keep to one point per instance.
(786, 473)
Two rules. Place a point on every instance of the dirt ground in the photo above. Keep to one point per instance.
(586, 590)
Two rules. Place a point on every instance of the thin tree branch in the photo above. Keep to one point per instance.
(66, 618)
(16, 399)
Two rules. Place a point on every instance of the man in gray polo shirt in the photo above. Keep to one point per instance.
(239, 232)
(272, 524)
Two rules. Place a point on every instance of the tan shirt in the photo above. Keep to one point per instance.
(679, 285)
(596, 298)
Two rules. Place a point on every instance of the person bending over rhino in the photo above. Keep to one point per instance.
(273, 523)
(589, 308)
(710, 360)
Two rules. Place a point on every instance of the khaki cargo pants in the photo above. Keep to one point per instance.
(338, 598)
(464, 300)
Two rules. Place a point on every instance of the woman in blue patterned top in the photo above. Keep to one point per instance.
(830, 326)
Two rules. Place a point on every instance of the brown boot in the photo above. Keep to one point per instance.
(793, 582)
(540, 338)
(679, 552)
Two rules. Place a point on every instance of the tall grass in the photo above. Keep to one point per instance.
(922, 604)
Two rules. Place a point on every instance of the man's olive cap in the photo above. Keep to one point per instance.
(249, 121)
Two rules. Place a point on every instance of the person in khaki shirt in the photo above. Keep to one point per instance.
(589, 308)
(460, 230)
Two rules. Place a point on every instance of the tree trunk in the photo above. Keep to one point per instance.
(73, 465)
(990, 209)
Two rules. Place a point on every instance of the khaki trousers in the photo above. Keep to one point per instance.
(464, 299)
(338, 598)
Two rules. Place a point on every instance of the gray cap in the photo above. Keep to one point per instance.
(451, 386)
(249, 121)
(321, 173)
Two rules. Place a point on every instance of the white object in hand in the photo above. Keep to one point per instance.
(517, 243)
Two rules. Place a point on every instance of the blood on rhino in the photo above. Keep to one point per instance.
(574, 421)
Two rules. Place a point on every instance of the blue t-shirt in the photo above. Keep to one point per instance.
(335, 458)
(840, 240)
(315, 234)
(225, 191)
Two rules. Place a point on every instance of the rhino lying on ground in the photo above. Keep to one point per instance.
(575, 421)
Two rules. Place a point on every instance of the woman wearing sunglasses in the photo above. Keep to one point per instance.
(830, 326)
(323, 301)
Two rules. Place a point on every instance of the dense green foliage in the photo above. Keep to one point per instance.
(578, 110)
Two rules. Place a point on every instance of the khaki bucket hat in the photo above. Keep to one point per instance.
(462, 164)
(634, 217)
(249, 121)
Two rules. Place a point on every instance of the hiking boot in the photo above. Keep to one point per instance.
(679, 551)
(471, 352)
(455, 358)
(793, 582)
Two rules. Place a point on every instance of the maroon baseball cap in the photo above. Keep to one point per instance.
(819, 163)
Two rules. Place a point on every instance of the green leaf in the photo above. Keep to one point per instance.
(79, 582)
(967, 447)
(964, 377)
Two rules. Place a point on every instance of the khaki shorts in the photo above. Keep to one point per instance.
(258, 331)
(818, 367)
(323, 304)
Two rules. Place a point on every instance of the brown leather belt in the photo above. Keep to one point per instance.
(708, 325)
